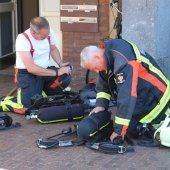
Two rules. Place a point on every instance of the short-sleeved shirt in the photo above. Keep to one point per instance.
(41, 49)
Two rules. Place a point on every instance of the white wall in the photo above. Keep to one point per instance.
(51, 10)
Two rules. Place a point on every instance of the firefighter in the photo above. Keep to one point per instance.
(33, 74)
(143, 90)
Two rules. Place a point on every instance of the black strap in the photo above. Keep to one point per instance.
(148, 143)
(61, 141)
(109, 148)
(69, 110)
(15, 125)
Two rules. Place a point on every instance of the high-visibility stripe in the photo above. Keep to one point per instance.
(44, 94)
(92, 134)
(122, 121)
(159, 107)
(12, 104)
(156, 126)
(8, 98)
(103, 95)
(60, 120)
(167, 112)
(19, 96)
(4, 107)
(143, 59)
(5, 102)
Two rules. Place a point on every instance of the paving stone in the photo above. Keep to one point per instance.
(18, 150)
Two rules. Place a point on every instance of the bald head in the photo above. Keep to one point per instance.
(88, 54)
(38, 23)
(92, 58)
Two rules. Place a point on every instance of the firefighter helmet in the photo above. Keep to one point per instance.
(162, 134)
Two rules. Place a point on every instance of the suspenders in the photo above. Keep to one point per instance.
(32, 49)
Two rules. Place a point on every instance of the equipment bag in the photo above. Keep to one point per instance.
(95, 123)
(64, 107)
(88, 93)
(67, 112)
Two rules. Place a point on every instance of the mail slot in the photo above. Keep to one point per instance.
(79, 16)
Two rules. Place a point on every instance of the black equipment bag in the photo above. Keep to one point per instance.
(38, 101)
(67, 112)
(95, 124)
(66, 106)
(88, 93)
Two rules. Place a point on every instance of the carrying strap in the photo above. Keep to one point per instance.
(109, 147)
(15, 125)
(61, 140)
(148, 143)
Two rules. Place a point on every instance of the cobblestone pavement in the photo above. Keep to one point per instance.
(18, 149)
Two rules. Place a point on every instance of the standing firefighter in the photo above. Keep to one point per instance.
(143, 91)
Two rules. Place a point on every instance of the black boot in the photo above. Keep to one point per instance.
(146, 136)
(146, 131)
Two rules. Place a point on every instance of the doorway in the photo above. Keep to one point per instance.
(26, 10)
(15, 16)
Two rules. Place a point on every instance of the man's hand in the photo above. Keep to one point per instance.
(113, 136)
(119, 138)
(64, 70)
(96, 110)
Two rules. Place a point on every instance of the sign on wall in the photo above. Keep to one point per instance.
(79, 15)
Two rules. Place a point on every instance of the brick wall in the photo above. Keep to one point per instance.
(74, 42)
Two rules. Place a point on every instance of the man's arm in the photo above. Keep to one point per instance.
(103, 94)
(55, 54)
(37, 70)
(127, 80)
(103, 91)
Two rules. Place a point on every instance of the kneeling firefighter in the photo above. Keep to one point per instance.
(143, 91)
(34, 48)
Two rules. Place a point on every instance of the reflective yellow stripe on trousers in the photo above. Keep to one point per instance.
(159, 107)
(8, 102)
(103, 95)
